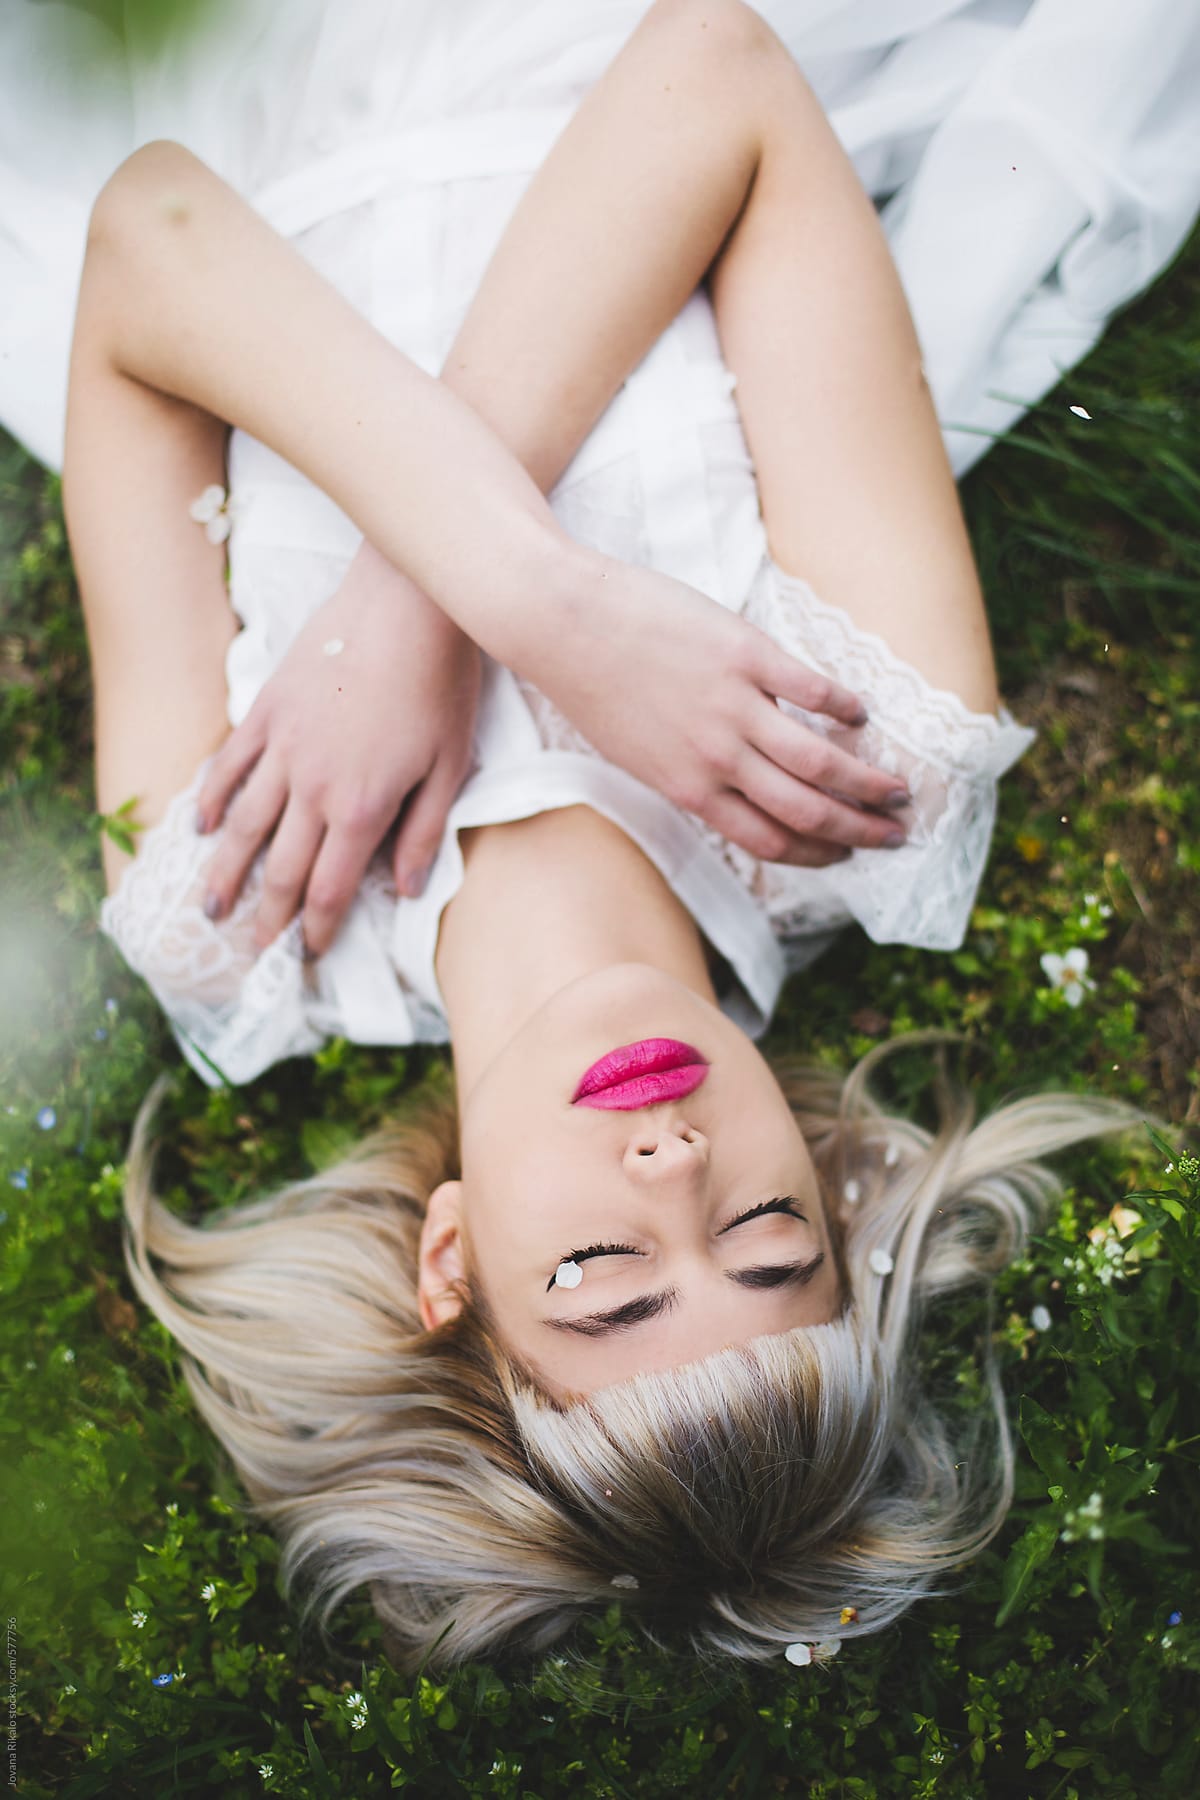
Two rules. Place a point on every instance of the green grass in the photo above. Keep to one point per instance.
(1057, 1669)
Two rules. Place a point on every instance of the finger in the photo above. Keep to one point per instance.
(742, 823)
(810, 813)
(811, 758)
(229, 767)
(782, 675)
(290, 860)
(423, 826)
(334, 881)
(249, 823)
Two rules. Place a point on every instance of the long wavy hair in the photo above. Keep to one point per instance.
(800, 1487)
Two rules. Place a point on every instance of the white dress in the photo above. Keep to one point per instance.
(391, 144)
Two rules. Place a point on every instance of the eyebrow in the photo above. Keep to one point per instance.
(652, 1306)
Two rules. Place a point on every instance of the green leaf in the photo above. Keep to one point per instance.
(316, 1763)
(1030, 1551)
(1045, 1440)
(323, 1141)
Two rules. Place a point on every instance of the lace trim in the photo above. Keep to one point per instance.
(935, 723)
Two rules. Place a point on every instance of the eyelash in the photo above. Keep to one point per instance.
(786, 1203)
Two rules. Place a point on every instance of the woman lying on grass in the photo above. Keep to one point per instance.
(637, 1316)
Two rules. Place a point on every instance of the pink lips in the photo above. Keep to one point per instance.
(642, 1074)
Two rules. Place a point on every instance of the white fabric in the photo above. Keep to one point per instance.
(1039, 159)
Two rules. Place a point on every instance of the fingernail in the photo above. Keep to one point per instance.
(212, 906)
(414, 887)
(861, 716)
(897, 797)
(893, 840)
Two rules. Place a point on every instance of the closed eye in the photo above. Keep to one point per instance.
(783, 1203)
(578, 1256)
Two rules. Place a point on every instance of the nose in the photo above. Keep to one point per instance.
(666, 1150)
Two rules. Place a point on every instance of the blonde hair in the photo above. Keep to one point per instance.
(739, 1503)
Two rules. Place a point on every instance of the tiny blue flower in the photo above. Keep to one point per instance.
(19, 1179)
(162, 1680)
(99, 1034)
(47, 1119)
(1175, 1618)
(110, 1005)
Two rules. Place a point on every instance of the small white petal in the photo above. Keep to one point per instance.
(1073, 993)
(333, 647)
(800, 1655)
(881, 1262)
(1040, 1319)
(1081, 412)
(207, 505)
(829, 1647)
(1052, 966)
(852, 1192)
(625, 1581)
(217, 529)
(1076, 961)
(568, 1275)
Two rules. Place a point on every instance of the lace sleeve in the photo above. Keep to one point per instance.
(234, 1008)
(950, 757)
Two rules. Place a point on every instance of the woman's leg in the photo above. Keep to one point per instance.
(704, 150)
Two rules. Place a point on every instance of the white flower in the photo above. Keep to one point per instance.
(68, 1356)
(70, 1688)
(881, 1262)
(212, 510)
(172, 1508)
(137, 1619)
(266, 1771)
(357, 1721)
(1081, 412)
(625, 1581)
(799, 1655)
(209, 1591)
(1068, 974)
(355, 1701)
(568, 1275)
(827, 1648)
(1040, 1319)
(852, 1192)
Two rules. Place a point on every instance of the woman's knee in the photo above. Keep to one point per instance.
(725, 33)
(152, 190)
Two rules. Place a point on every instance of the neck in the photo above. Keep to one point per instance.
(545, 901)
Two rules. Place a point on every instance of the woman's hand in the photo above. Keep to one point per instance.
(682, 693)
(372, 707)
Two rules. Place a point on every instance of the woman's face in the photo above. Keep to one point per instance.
(693, 1217)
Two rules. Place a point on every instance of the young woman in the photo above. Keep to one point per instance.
(638, 1313)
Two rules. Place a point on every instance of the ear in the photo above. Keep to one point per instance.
(440, 1261)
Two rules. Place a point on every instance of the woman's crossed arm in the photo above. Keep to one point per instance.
(188, 297)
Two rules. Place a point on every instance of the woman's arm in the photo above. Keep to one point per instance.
(188, 296)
